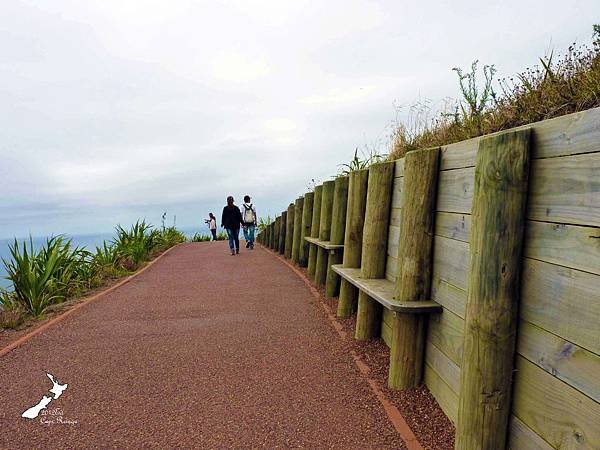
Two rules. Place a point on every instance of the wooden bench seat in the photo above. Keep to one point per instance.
(327, 245)
(382, 291)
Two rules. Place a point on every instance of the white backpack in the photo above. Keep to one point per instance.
(248, 214)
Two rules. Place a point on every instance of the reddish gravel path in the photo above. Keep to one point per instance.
(201, 350)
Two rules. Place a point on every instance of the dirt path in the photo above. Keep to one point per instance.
(202, 350)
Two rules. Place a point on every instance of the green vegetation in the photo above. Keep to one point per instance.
(264, 222)
(360, 162)
(58, 271)
(200, 237)
(559, 86)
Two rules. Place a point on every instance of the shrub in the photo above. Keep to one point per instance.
(44, 277)
(200, 237)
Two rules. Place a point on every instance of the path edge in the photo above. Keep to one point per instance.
(393, 413)
(23, 339)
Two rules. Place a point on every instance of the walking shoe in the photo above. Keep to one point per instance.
(247, 244)
(251, 246)
(237, 251)
(232, 253)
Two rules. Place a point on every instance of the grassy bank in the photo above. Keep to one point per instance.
(558, 85)
(57, 271)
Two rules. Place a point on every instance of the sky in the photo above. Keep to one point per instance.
(115, 110)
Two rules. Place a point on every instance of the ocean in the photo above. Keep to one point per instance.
(89, 241)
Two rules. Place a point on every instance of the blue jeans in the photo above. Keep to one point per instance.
(249, 234)
(234, 238)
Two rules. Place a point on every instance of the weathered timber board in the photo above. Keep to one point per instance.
(574, 365)
(444, 367)
(566, 190)
(558, 413)
(563, 301)
(521, 437)
(451, 261)
(382, 291)
(446, 398)
(449, 296)
(455, 190)
(566, 245)
(567, 135)
(446, 332)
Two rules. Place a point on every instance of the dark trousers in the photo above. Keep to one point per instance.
(234, 238)
(214, 234)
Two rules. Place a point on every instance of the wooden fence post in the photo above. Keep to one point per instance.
(314, 231)
(307, 212)
(338, 226)
(355, 220)
(298, 207)
(267, 234)
(414, 266)
(289, 231)
(282, 227)
(276, 233)
(497, 222)
(324, 231)
(374, 246)
(272, 236)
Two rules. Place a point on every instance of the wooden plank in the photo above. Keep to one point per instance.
(387, 317)
(391, 268)
(563, 301)
(451, 261)
(399, 168)
(521, 437)
(453, 226)
(393, 241)
(566, 245)
(563, 359)
(561, 415)
(397, 192)
(572, 134)
(327, 245)
(446, 332)
(395, 215)
(445, 397)
(382, 291)
(567, 135)
(459, 155)
(446, 369)
(566, 190)
(386, 334)
(455, 190)
(449, 296)
(386, 326)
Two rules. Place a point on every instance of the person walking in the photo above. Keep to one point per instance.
(212, 225)
(231, 220)
(249, 222)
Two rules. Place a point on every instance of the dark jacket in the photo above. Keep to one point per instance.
(232, 217)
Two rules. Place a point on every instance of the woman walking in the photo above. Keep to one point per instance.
(212, 225)
(231, 221)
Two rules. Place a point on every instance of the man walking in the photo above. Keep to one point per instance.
(249, 221)
(231, 220)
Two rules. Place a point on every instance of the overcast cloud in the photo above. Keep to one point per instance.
(117, 109)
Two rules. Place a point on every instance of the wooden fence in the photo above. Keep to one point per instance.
(486, 285)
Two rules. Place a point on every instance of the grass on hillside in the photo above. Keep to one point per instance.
(58, 271)
(559, 85)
